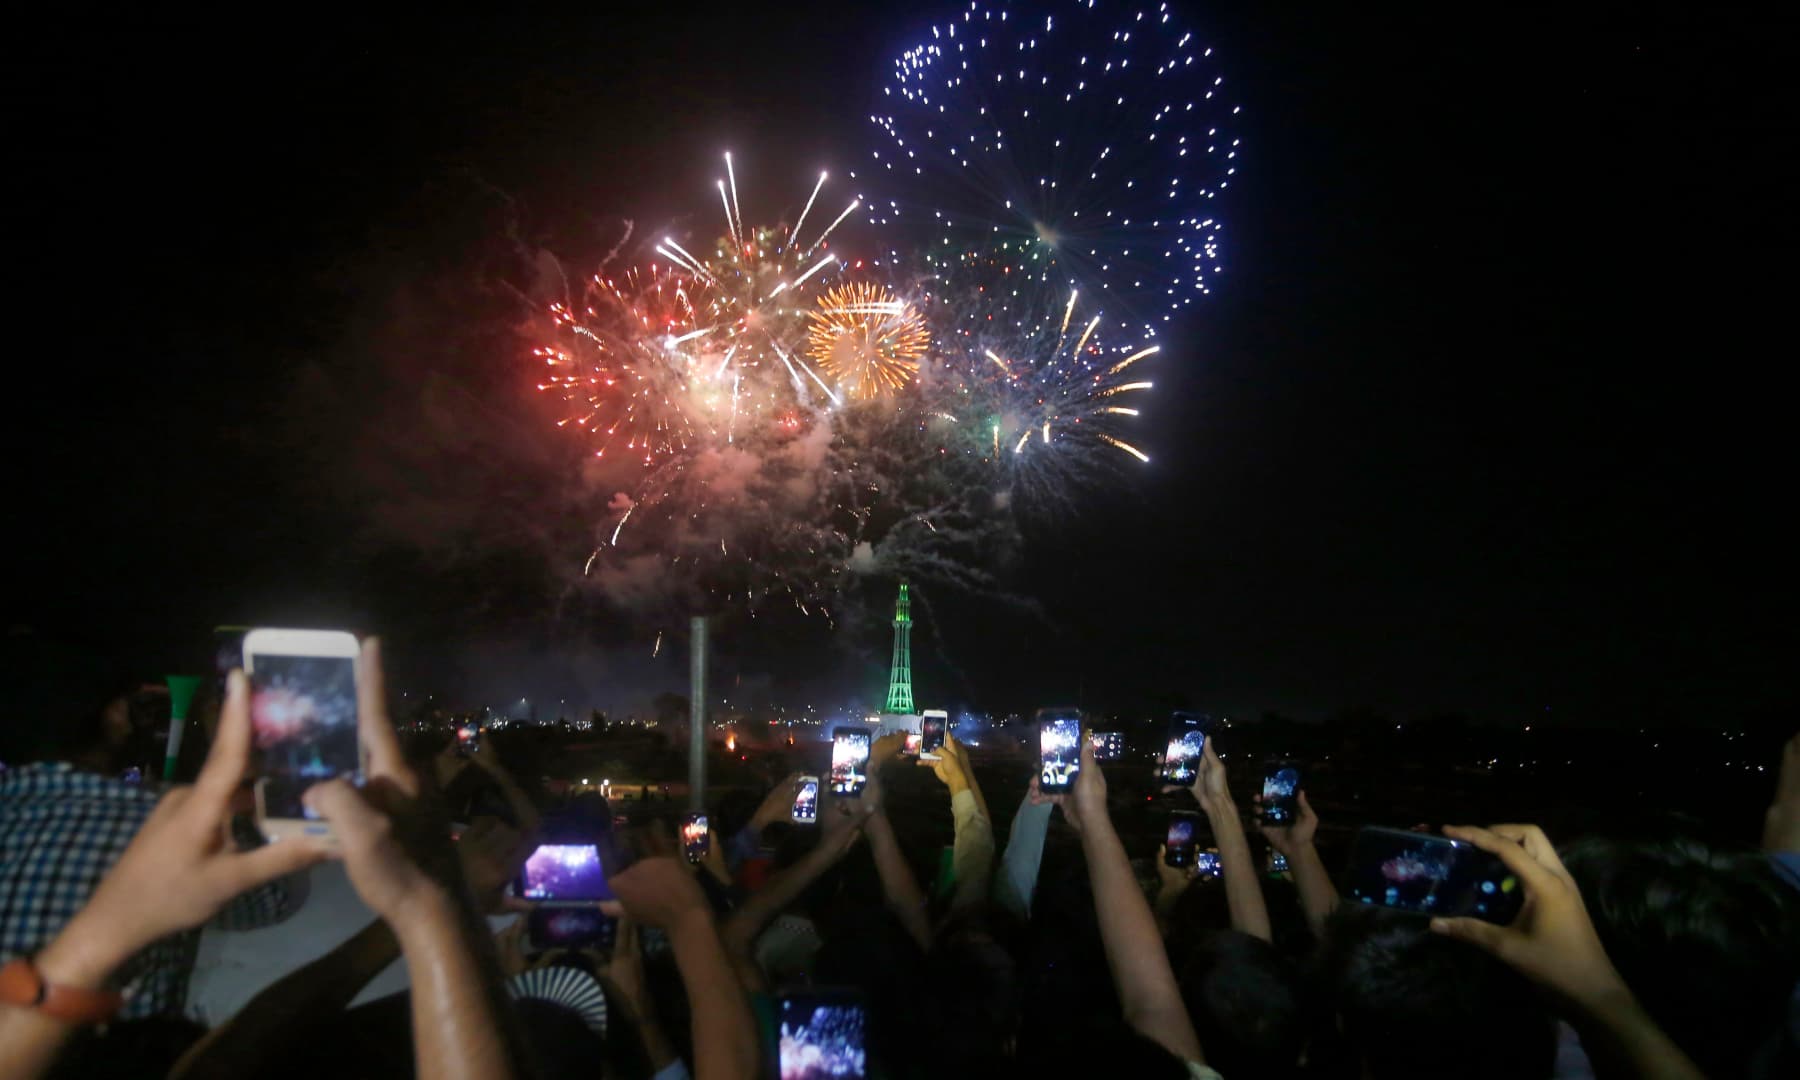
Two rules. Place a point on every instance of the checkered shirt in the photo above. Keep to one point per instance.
(61, 830)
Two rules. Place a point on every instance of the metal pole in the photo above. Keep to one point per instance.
(697, 713)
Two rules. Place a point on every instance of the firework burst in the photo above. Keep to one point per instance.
(866, 341)
(1075, 144)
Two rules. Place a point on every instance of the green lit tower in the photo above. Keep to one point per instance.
(899, 699)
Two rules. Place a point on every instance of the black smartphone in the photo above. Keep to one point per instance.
(468, 739)
(1108, 745)
(1278, 863)
(932, 725)
(1280, 795)
(694, 838)
(849, 761)
(1059, 750)
(820, 1035)
(1206, 864)
(1187, 743)
(564, 874)
(806, 801)
(1411, 871)
(1181, 844)
(570, 928)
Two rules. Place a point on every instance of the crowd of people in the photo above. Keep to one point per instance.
(811, 950)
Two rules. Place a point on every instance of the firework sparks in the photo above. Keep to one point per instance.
(865, 340)
(1082, 143)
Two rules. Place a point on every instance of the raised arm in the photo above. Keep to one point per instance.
(660, 892)
(1134, 949)
(1318, 896)
(178, 872)
(839, 829)
(973, 854)
(1554, 944)
(898, 886)
(1243, 886)
(1016, 878)
(398, 855)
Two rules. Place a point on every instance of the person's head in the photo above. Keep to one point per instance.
(973, 980)
(1399, 1000)
(1244, 999)
(67, 705)
(1708, 941)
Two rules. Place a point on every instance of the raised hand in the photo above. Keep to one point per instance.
(1085, 804)
(395, 843)
(952, 764)
(1552, 941)
(181, 868)
(1289, 839)
(1781, 825)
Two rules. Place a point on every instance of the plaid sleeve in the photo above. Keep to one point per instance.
(265, 905)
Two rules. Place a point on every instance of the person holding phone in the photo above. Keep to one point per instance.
(1243, 888)
(176, 873)
(1148, 995)
(972, 853)
(66, 819)
(1553, 943)
(1294, 840)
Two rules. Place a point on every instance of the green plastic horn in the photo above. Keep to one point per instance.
(181, 696)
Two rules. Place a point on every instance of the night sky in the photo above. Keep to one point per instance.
(1484, 416)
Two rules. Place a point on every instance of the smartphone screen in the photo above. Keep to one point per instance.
(1059, 750)
(931, 735)
(1206, 863)
(1432, 874)
(821, 1036)
(303, 714)
(1108, 745)
(468, 739)
(914, 741)
(1179, 846)
(564, 873)
(1281, 789)
(806, 801)
(1278, 863)
(694, 839)
(1187, 743)
(570, 928)
(849, 761)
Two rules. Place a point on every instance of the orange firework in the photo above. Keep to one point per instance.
(866, 340)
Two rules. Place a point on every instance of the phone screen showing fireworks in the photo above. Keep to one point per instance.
(1431, 874)
(1181, 843)
(849, 761)
(468, 739)
(303, 712)
(1206, 864)
(1108, 745)
(821, 1036)
(806, 800)
(694, 839)
(1278, 863)
(1280, 794)
(570, 928)
(564, 873)
(931, 736)
(1059, 752)
(1187, 743)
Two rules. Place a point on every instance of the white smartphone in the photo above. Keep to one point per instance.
(303, 718)
(806, 801)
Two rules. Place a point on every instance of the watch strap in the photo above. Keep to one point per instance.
(23, 986)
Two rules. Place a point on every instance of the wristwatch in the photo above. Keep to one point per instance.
(23, 986)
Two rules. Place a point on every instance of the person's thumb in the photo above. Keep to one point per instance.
(1483, 935)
